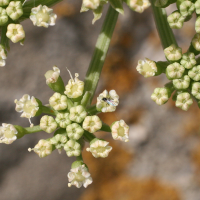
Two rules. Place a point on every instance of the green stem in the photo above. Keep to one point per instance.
(33, 129)
(4, 39)
(92, 110)
(79, 158)
(88, 136)
(105, 127)
(48, 110)
(165, 32)
(101, 49)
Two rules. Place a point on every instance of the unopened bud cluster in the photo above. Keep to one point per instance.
(72, 122)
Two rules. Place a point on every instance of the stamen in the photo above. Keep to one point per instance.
(70, 74)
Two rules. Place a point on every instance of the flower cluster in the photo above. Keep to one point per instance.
(72, 122)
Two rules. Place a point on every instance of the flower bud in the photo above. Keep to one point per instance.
(58, 141)
(8, 133)
(74, 131)
(186, 8)
(3, 17)
(175, 20)
(196, 90)
(58, 101)
(2, 56)
(182, 83)
(52, 75)
(14, 10)
(197, 6)
(72, 148)
(197, 25)
(43, 16)
(173, 53)
(184, 101)
(120, 131)
(138, 5)
(92, 123)
(194, 73)
(196, 41)
(4, 2)
(15, 32)
(63, 119)
(48, 124)
(77, 114)
(188, 60)
(174, 71)
(99, 148)
(90, 4)
(160, 95)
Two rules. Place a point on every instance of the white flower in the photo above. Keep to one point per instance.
(52, 75)
(2, 56)
(58, 101)
(120, 131)
(15, 32)
(28, 105)
(173, 52)
(14, 10)
(43, 148)
(72, 148)
(92, 123)
(160, 96)
(48, 124)
(90, 4)
(43, 16)
(79, 176)
(107, 102)
(63, 119)
(59, 141)
(99, 148)
(8, 133)
(139, 5)
(184, 101)
(77, 114)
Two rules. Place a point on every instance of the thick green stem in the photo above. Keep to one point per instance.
(105, 127)
(33, 129)
(101, 49)
(48, 110)
(165, 32)
(88, 136)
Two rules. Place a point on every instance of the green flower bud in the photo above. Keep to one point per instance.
(197, 25)
(58, 101)
(174, 71)
(59, 141)
(188, 60)
(186, 8)
(48, 124)
(182, 83)
(74, 131)
(77, 114)
(197, 6)
(4, 2)
(8, 133)
(175, 20)
(15, 33)
(194, 73)
(14, 10)
(63, 119)
(161, 95)
(92, 123)
(184, 101)
(173, 53)
(163, 3)
(196, 90)
(3, 17)
(196, 41)
(72, 148)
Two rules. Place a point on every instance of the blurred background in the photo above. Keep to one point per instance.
(161, 160)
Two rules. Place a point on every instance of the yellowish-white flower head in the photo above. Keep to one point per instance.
(107, 102)
(43, 16)
(2, 56)
(146, 67)
(43, 148)
(120, 131)
(63, 119)
(48, 124)
(15, 32)
(8, 133)
(139, 5)
(27, 105)
(92, 123)
(75, 87)
(52, 75)
(58, 101)
(14, 10)
(79, 176)
(59, 141)
(99, 148)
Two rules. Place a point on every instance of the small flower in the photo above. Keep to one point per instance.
(112, 98)
(174, 71)
(182, 83)
(92, 123)
(48, 124)
(8, 133)
(184, 101)
(196, 41)
(58, 141)
(173, 53)
(72, 148)
(146, 67)
(90, 4)
(52, 75)
(197, 6)
(14, 10)
(43, 148)
(79, 176)
(77, 114)
(75, 87)
(161, 3)
(196, 90)
(3, 17)
(120, 131)
(58, 101)
(194, 73)
(4, 2)
(175, 20)
(63, 119)
(160, 96)
(197, 25)
(2, 56)
(186, 8)
(188, 60)
(43, 16)
(27, 105)
(99, 148)
(138, 5)
(74, 131)
(15, 32)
